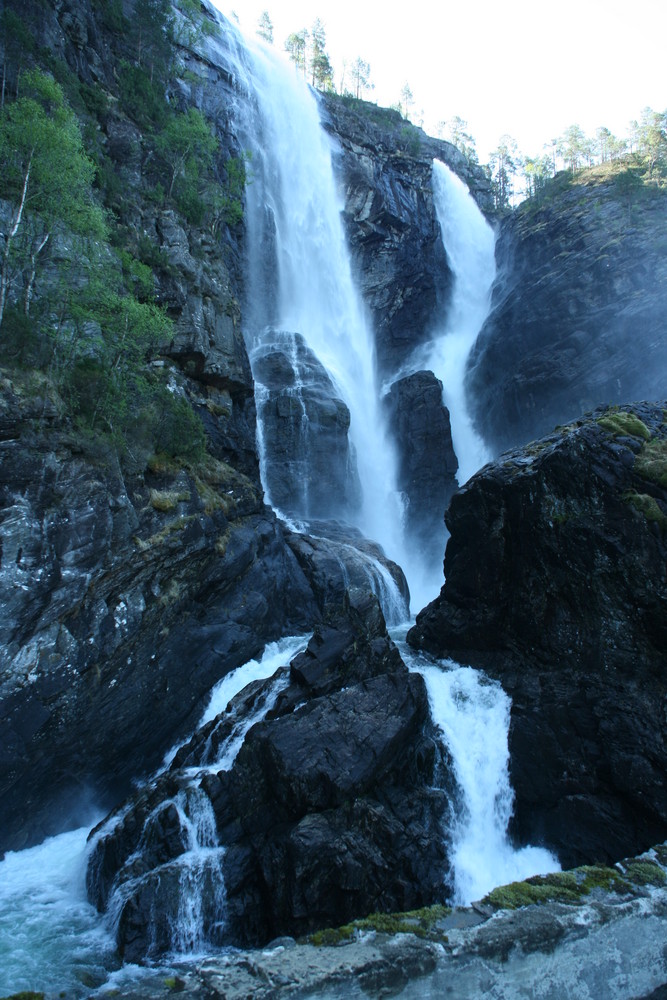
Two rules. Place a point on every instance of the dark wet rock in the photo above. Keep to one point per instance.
(335, 558)
(578, 308)
(310, 468)
(427, 464)
(108, 587)
(556, 584)
(386, 164)
(328, 811)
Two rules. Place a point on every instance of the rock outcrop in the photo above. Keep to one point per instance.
(427, 465)
(578, 308)
(386, 164)
(556, 584)
(328, 811)
(309, 466)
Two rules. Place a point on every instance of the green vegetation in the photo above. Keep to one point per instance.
(573, 886)
(78, 280)
(422, 923)
(622, 423)
(648, 506)
(651, 462)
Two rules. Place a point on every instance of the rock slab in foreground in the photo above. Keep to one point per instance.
(556, 584)
(328, 812)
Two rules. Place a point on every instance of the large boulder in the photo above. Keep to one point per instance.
(309, 465)
(328, 812)
(556, 583)
(578, 309)
(427, 464)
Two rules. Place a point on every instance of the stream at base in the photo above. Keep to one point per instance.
(54, 941)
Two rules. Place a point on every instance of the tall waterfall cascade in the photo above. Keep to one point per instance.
(312, 355)
(310, 342)
(470, 244)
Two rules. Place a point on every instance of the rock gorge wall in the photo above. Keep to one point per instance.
(578, 309)
(556, 584)
(127, 590)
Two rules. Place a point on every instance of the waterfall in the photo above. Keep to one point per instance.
(470, 245)
(310, 342)
(473, 712)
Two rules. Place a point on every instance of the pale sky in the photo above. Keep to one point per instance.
(522, 67)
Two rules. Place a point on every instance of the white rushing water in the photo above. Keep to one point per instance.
(473, 713)
(470, 244)
(50, 935)
(51, 938)
(300, 279)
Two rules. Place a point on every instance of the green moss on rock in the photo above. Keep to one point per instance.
(651, 462)
(422, 923)
(648, 506)
(643, 871)
(558, 887)
(621, 423)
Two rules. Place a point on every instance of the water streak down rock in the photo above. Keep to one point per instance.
(330, 810)
(556, 584)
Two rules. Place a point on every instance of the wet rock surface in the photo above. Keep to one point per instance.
(328, 811)
(556, 584)
(427, 463)
(607, 945)
(578, 309)
(309, 465)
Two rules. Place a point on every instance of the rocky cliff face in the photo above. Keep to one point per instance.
(128, 588)
(578, 309)
(556, 584)
(385, 163)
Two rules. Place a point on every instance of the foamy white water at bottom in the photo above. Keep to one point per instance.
(51, 938)
(473, 712)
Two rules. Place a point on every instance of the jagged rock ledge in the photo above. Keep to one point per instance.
(609, 942)
(556, 585)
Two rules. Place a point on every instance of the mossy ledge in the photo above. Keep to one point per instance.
(624, 423)
(575, 885)
(422, 923)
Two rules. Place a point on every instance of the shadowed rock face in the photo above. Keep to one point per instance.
(309, 465)
(385, 165)
(556, 584)
(427, 464)
(328, 811)
(578, 309)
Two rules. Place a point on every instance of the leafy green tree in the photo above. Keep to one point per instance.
(321, 70)
(187, 145)
(46, 178)
(573, 147)
(537, 171)
(651, 137)
(295, 46)
(456, 129)
(406, 101)
(153, 22)
(265, 27)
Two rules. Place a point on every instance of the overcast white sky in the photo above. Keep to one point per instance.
(522, 67)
